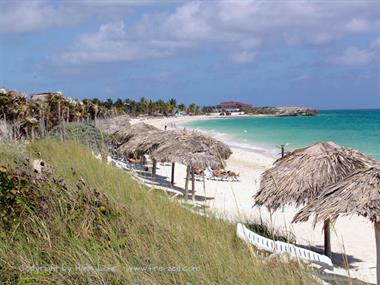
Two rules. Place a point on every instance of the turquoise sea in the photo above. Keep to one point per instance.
(359, 129)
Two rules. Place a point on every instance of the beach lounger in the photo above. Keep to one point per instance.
(139, 175)
(293, 251)
(209, 174)
(122, 165)
(157, 185)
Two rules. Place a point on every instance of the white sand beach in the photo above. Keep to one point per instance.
(233, 200)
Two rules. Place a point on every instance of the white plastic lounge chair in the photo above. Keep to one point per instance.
(209, 173)
(210, 176)
(269, 245)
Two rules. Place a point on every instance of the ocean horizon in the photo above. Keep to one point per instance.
(354, 128)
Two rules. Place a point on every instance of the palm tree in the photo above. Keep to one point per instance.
(172, 105)
(193, 109)
(173, 102)
(29, 125)
(55, 101)
(181, 107)
(144, 105)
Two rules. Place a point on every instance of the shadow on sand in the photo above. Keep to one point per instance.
(163, 182)
(336, 279)
(338, 259)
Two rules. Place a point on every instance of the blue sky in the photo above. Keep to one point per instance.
(322, 54)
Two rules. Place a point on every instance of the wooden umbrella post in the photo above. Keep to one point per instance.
(326, 229)
(204, 184)
(172, 180)
(282, 150)
(154, 168)
(192, 184)
(377, 236)
(187, 182)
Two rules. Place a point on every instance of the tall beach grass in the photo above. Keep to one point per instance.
(132, 237)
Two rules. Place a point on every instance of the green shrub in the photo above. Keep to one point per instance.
(267, 231)
(17, 197)
(85, 134)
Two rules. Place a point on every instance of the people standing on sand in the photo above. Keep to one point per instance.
(166, 127)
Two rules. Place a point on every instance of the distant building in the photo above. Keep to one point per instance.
(44, 97)
(179, 113)
(231, 106)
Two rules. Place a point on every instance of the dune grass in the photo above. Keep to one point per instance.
(105, 228)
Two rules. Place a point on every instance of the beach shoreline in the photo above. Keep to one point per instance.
(234, 201)
(234, 143)
(160, 121)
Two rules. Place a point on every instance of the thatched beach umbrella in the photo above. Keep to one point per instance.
(125, 134)
(302, 174)
(192, 149)
(189, 148)
(177, 153)
(358, 194)
(142, 142)
(114, 125)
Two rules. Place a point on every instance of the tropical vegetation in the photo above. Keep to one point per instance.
(35, 116)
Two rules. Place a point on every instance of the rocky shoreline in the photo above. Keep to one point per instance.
(295, 111)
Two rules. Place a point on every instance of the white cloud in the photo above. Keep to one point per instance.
(243, 57)
(353, 56)
(110, 43)
(356, 56)
(34, 15)
(238, 26)
(26, 16)
(375, 44)
(359, 25)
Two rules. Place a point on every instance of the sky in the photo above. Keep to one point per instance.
(319, 54)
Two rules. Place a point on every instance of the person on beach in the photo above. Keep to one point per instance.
(198, 171)
(166, 127)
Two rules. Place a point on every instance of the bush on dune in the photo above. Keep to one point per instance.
(98, 226)
(85, 134)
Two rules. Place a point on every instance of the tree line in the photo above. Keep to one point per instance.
(147, 107)
(28, 117)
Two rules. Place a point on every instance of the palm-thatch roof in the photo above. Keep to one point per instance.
(188, 148)
(192, 149)
(114, 124)
(140, 140)
(359, 194)
(129, 131)
(303, 173)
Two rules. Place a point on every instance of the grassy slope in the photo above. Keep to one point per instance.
(139, 228)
